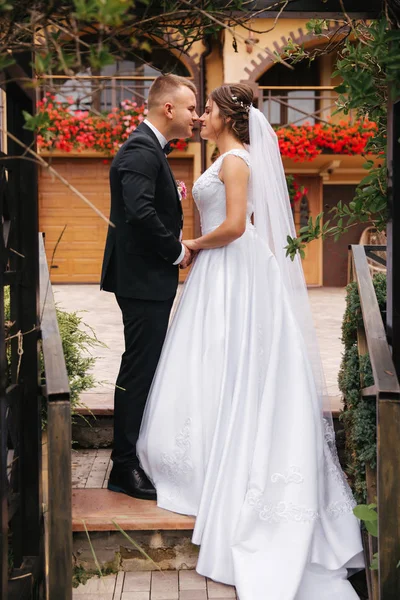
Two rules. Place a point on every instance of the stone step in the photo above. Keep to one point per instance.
(95, 429)
(120, 533)
(97, 515)
(95, 507)
(98, 403)
(101, 404)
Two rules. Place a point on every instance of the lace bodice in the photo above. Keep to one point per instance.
(209, 194)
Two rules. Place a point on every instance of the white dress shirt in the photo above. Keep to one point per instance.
(162, 140)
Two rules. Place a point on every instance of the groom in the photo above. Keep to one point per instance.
(141, 262)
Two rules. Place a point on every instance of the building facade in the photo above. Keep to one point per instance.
(287, 96)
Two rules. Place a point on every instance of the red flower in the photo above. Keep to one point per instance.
(305, 142)
(105, 133)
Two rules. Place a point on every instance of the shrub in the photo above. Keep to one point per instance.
(78, 340)
(359, 414)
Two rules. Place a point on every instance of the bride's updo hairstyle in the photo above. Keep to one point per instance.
(234, 101)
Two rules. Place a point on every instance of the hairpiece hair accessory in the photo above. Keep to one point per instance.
(246, 107)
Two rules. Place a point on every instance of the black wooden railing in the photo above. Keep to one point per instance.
(58, 468)
(35, 560)
(386, 393)
(21, 510)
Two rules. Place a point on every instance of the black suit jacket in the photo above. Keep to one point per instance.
(147, 214)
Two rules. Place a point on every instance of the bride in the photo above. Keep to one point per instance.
(235, 430)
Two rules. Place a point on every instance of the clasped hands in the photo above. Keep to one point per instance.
(190, 254)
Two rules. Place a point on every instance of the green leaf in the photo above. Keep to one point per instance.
(146, 46)
(375, 562)
(393, 35)
(317, 26)
(372, 527)
(136, 545)
(27, 116)
(105, 12)
(100, 58)
(5, 6)
(96, 562)
(6, 61)
(39, 64)
(325, 226)
(37, 122)
(365, 513)
(368, 165)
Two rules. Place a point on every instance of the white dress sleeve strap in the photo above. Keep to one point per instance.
(243, 154)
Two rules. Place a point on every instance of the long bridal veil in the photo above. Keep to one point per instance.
(273, 220)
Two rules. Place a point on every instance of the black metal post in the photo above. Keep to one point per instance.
(393, 232)
(3, 451)
(25, 302)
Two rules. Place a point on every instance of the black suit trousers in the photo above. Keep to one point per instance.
(145, 327)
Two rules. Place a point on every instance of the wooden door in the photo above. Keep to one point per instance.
(78, 255)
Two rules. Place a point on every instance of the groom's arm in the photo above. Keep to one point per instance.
(139, 167)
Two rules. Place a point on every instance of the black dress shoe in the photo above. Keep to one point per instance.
(132, 481)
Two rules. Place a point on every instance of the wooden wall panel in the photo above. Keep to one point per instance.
(79, 254)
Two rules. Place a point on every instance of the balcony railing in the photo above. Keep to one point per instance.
(296, 105)
(98, 93)
(282, 105)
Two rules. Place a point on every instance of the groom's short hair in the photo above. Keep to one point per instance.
(165, 85)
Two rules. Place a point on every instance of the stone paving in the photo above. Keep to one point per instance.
(101, 312)
(155, 585)
(91, 468)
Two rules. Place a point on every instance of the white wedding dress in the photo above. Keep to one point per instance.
(233, 431)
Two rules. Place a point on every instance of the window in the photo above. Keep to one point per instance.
(281, 104)
(139, 77)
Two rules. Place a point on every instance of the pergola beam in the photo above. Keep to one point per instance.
(393, 232)
(309, 9)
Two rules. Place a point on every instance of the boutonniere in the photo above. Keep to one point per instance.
(182, 190)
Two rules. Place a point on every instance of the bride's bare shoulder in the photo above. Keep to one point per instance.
(235, 166)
